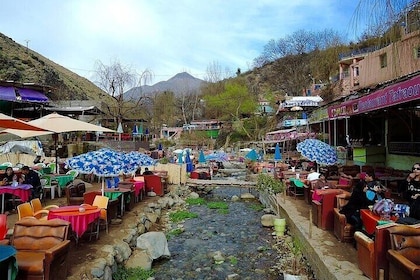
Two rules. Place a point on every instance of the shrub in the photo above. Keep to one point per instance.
(269, 184)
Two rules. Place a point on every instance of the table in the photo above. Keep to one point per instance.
(79, 220)
(115, 194)
(138, 186)
(23, 191)
(370, 220)
(8, 263)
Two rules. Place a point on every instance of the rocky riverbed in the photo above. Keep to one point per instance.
(229, 243)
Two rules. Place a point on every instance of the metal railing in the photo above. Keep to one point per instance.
(404, 148)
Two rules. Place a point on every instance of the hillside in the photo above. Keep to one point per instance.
(19, 64)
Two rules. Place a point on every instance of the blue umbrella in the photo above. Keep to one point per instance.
(277, 153)
(316, 150)
(217, 156)
(201, 157)
(135, 130)
(180, 161)
(252, 155)
(160, 148)
(188, 161)
(108, 163)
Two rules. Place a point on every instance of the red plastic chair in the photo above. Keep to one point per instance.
(3, 226)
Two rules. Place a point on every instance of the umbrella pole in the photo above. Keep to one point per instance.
(56, 154)
(103, 186)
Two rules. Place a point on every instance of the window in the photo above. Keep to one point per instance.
(383, 60)
(417, 52)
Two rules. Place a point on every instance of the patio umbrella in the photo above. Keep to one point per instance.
(277, 153)
(201, 157)
(8, 122)
(108, 163)
(58, 124)
(119, 131)
(188, 162)
(252, 155)
(316, 150)
(217, 156)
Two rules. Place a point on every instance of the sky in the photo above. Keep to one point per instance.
(165, 37)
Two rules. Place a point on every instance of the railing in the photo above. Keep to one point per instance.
(404, 148)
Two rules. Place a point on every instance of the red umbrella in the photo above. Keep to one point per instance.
(10, 122)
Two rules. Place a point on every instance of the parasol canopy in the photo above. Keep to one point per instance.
(108, 163)
(201, 157)
(188, 162)
(277, 153)
(9, 123)
(252, 155)
(316, 150)
(217, 156)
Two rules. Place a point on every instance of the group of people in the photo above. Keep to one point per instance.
(27, 176)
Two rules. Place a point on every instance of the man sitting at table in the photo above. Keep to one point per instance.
(147, 171)
(32, 178)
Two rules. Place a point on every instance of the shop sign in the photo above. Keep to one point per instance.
(392, 95)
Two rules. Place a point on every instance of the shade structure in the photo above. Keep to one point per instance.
(316, 150)
(57, 123)
(201, 157)
(188, 162)
(217, 156)
(8, 122)
(277, 153)
(109, 163)
(135, 130)
(252, 155)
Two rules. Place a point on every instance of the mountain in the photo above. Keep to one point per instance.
(178, 84)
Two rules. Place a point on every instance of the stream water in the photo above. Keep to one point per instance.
(246, 249)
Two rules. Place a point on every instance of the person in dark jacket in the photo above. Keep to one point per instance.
(358, 200)
(32, 178)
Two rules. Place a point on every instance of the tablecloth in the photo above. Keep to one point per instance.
(79, 220)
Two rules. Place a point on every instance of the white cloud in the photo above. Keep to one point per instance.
(165, 36)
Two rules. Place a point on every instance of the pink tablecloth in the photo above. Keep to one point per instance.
(138, 186)
(22, 191)
(79, 220)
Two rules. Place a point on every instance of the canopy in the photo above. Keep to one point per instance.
(8, 122)
(316, 150)
(277, 153)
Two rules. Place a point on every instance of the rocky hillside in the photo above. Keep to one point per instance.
(19, 64)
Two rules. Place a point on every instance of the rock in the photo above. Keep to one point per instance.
(123, 251)
(234, 198)
(218, 257)
(233, 277)
(152, 217)
(151, 194)
(267, 220)
(140, 258)
(154, 243)
(247, 196)
(194, 195)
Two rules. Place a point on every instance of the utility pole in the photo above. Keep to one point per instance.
(27, 45)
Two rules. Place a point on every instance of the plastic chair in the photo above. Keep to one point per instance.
(74, 173)
(102, 203)
(3, 226)
(25, 211)
(48, 186)
(53, 166)
(37, 206)
(7, 163)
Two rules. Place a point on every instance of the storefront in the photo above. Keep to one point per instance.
(382, 126)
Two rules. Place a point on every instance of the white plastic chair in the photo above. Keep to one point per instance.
(7, 163)
(48, 186)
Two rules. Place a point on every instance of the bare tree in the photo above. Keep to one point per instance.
(116, 79)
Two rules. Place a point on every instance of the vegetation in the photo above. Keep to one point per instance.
(137, 273)
(195, 201)
(181, 215)
(174, 232)
(267, 183)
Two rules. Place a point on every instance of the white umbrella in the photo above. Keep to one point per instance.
(57, 123)
(8, 122)
(119, 131)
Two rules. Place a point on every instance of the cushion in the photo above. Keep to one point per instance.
(343, 181)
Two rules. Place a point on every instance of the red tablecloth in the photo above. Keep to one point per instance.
(370, 220)
(79, 220)
(138, 186)
(22, 191)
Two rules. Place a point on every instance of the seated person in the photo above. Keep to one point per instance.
(412, 193)
(9, 177)
(147, 171)
(32, 178)
(358, 200)
(319, 185)
(313, 175)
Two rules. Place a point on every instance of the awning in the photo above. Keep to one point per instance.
(7, 93)
(30, 95)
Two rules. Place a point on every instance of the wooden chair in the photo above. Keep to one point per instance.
(102, 203)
